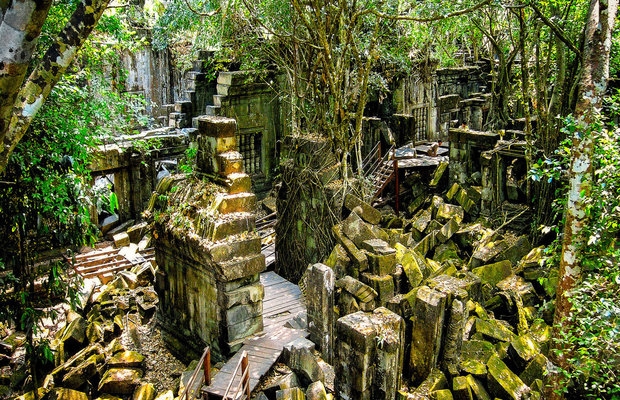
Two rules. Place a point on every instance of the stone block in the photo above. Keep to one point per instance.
(439, 173)
(422, 219)
(358, 289)
(447, 251)
(382, 284)
(236, 246)
(229, 225)
(447, 212)
(487, 251)
(516, 250)
(357, 230)
(80, 374)
(243, 312)
(365, 211)
(493, 273)
(136, 232)
(339, 260)
(216, 126)
(183, 107)
(316, 391)
(229, 162)
(320, 282)
(427, 243)
(244, 295)
(121, 240)
(381, 264)
(427, 331)
(522, 349)
(240, 202)
(503, 383)
(436, 380)
(240, 267)
(290, 394)
(494, 329)
(477, 388)
(447, 230)
(238, 183)
(360, 261)
(443, 394)
(461, 389)
(414, 265)
(517, 284)
(242, 330)
(299, 356)
(535, 369)
(120, 380)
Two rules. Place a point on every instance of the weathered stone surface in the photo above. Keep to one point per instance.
(493, 273)
(363, 209)
(146, 391)
(414, 265)
(238, 183)
(137, 231)
(503, 383)
(494, 329)
(120, 380)
(298, 355)
(359, 259)
(535, 369)
(320, 282)
(516, 250)
(389, 353)
(216, 126)
(238, 202)
(64, 394)
(447, 230)
(339, 260)
(238, 268)
(126, 359)
(167, 395)
(480, 393)
(382, 284)
(439, 173)
(422, 219)
(436, 380)
(121, 240)
(486, 251)
(74, 334)
(427, 243)
(249, 294)
(461, 389)
(358, 289)
(80, 374)
(447, 212)
(357, 230)
(516, 284)
(443, 394)
(316, 391)
(522, 349)
(228, 162)
(290, 394)
(428, 319)
(236, 246)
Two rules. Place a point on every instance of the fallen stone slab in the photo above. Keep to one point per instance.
(120, 380)
(365, 211)
(504, 383)
(493, 273)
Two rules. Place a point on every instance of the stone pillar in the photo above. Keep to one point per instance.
(428, 319)
(369, 355)
(320, 308)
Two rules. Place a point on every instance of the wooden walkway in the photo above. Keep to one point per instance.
(282, 302)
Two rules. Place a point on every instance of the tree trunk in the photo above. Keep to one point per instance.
(30, 95)
(592, 87)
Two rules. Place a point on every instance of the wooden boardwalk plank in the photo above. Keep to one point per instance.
(281, 303)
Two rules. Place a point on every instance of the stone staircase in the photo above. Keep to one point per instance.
(378, 171)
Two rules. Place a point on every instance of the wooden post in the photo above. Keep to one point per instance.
(397, 188)
(206, 364)
(245, 374)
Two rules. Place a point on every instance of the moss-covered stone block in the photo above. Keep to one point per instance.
(504, 383)
(494, 273)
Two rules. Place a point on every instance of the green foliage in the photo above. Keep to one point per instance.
(591, 338)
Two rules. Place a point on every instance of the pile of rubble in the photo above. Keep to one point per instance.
(109, 347)
(461, 301)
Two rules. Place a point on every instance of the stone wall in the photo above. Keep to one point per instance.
(207, 249)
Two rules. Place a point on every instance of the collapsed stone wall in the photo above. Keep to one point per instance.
(207, 249)
(466, 296)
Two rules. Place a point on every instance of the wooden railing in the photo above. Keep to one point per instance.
(205, 364)
(242, 390)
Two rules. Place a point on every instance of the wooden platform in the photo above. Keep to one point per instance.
(106, 262)
(282, 302)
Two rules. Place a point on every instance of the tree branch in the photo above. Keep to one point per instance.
(555, 30)
(48, 72)
(202, 14)
(434, 18)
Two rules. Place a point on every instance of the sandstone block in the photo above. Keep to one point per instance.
(245, 295)
(229, 162)
(360, 261)
(126, 359)
(146, 391)
(461, 389)
(447, 212)
(358, 289)
(320, 284)
(535, 369)
(316, 391)
(120, 380)
(428, 319)
(238, 183)
(477, 388)
(503, 383)
(363, 209)
(79, 375)
(357, 230)
(339, 260)
(240, 202)
(487, 251)
(382, 284)
(216, 126)
(493, 273)
(121, 240)
(494, 329)
(422, 219)
(229, 225)
(439, 173)
(238, 268)
(522, 349)
(290, 394)
(298, 355)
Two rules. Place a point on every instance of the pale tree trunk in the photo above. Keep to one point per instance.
(23, 99)
(592, 88)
